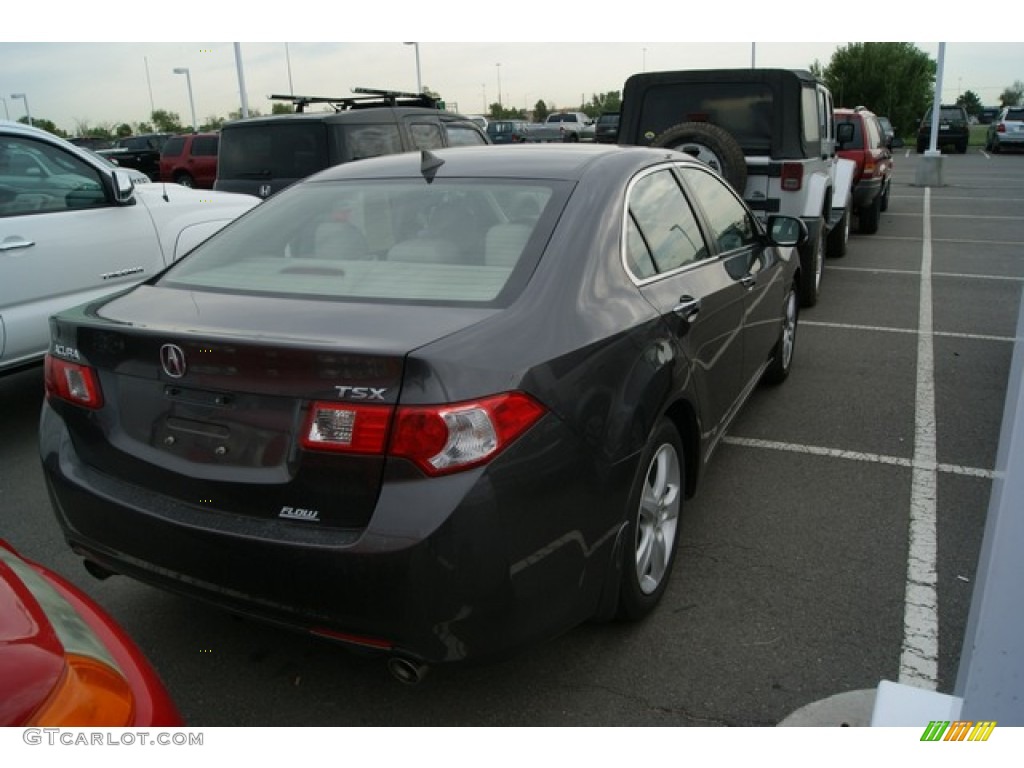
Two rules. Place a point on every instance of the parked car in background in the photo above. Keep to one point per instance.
(562, 126)
(606, 128)
(987, 115)
(888, 132)
(954, 129)
(190, 160)
(91, 142)
(1006, 131)
(860, 138)
(357, 385)
(65, 663)
(74, 228)
(508, 131)
(263, 155)
(140, 152)
(137, 176)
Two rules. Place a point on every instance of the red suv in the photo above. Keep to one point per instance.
(860, 137)
(190, 160)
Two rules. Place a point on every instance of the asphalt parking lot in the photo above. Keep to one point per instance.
(868, 470)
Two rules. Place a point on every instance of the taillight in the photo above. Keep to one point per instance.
(439, 439)
(73, 382)
(792, 177)
(1001, 128)
(89, 693)
(869, 169)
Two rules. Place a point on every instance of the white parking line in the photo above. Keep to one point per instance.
(884, 329)
(838, 453)
(919, 661)
(951, 275)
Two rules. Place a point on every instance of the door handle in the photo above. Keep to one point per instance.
(687, 308)
(748, 281)
(14, 243)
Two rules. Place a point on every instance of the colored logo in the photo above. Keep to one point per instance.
(960, 730)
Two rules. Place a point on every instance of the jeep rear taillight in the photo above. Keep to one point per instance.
(439, 439)
(869, 168)
(72, 382)
(792, 177)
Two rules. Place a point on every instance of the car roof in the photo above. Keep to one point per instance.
(526, 161)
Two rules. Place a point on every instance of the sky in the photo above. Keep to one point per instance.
(87, 79)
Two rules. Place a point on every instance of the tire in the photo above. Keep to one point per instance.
(869, 217)
(812, 266)
(962, 148)
(184, 179)
(885, 196)
(711, 145)
(839, 237)
(653, 523)
(782, 353)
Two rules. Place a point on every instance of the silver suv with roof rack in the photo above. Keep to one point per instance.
(261, 156)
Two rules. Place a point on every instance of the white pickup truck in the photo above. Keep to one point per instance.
(563, 126)
(74, 228)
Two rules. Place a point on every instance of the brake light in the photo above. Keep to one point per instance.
(792, 177)
(869, 169)
(1001, 128)
(72, 382)
(439, 439)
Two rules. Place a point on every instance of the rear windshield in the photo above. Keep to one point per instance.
(400, 240)
(1014, 114)
(743, 109)
(280, 151)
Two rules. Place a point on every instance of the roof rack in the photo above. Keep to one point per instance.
(375, 97)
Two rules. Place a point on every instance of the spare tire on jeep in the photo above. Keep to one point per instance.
(711, 145)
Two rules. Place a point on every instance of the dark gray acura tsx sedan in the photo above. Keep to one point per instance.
(440, 405)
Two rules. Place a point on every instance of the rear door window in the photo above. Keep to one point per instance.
(174, 146)
(369, 140)
(425, 135)
(467, 135)
(205, 146)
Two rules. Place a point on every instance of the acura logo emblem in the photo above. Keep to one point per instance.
(172, 358)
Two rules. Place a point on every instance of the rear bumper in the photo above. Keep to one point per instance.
(471, 565)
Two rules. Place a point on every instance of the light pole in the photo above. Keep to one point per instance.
(498, 65)
(419, 82)
(24, 98)
(6, 110)
(192, 105)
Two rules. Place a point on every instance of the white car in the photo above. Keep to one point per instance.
(74, 228)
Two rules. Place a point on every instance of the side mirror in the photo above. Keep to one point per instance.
(787, 231)
(124, 188)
